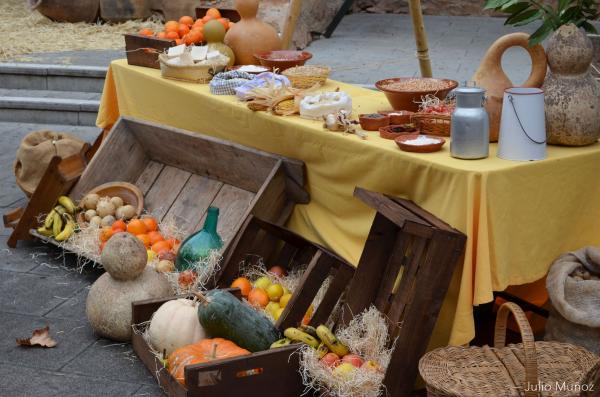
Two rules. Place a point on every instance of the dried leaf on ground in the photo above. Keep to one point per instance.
(40, 337)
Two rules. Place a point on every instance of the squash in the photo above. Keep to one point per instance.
(175, 324)
(124, 257)
(223, 315)
(204, 351)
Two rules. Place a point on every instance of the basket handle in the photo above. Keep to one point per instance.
(531, 373)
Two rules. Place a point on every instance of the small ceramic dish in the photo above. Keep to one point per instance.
(394, 131)
(398, 116)
(130, 194)
(420, 143)
(252, 69)
(373, 121)
(283, 59)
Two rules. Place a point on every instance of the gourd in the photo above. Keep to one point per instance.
(223, 315)
(204, 351)
(124, 256)
(175, 324)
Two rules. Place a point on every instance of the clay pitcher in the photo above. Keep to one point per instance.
(250, 35)
(492, 78)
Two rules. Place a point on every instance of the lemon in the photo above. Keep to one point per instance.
(272, 308)
(275, 291)
(262, 282)
(283, 301)
(278, 313)
(151, 255)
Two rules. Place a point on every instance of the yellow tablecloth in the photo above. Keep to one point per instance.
(518, 216)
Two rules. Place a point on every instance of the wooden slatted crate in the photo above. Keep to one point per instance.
(273, 371)
(144, 50)
(182, 173)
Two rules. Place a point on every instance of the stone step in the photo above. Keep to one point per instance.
(45, 106)
(32, 76)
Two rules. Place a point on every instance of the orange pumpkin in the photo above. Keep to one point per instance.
(204, 351)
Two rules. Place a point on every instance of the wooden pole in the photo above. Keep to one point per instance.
(290, 23)
(420, 37)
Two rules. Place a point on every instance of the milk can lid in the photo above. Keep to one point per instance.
(469, 90)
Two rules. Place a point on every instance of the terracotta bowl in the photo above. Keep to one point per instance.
(407, 100)
(373, 121)
(434, 147)
(283, 59)
(394, 131)
(130, 194)
(398, 116)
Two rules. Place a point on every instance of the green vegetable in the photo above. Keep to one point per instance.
(222, 315)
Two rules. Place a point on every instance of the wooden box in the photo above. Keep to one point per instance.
(143, 50)
(272, 372)
(182, 173)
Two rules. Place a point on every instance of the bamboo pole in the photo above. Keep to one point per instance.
(420, 37)
(290, 23)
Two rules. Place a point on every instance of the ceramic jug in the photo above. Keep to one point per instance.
(492, 78)
(250, 35)
(197, 247)
(572, 93)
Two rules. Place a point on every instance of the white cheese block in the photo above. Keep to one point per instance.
(318, 106)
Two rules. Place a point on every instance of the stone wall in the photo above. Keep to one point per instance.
(431, 7)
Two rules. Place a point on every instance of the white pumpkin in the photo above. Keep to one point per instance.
(175, 324)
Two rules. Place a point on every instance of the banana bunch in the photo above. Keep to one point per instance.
(320, 338)
(60, 221)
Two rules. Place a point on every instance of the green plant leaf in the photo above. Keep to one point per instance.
(562, 4)
(532, 16)
(506, 6)
(489, 4)
(516, 8)
(516, 18)
(539, 35)
(588, 27)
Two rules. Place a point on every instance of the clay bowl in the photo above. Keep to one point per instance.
(373, 121)
(407, 100)
(130, 194)
(394, 131)
(434, 147)
(398, 116)
(283, 59)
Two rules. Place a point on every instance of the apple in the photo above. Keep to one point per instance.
(344, 370)
(353, 359)
(277, 270)
(371, 365)
(330, 360)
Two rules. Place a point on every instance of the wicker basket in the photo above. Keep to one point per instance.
(202, 74)
(432, 124)
(507, 371)
(307, 76)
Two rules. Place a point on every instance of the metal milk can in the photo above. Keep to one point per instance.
(470, 125)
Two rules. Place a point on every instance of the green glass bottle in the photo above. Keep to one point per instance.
(197, 246)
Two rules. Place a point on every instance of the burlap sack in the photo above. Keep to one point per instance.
(36, 151)
(575, 317)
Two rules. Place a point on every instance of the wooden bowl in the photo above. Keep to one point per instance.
(130, 194)
(394, 131)
(283, 59)
(373, 121)
(434, 147)
(407, 100)
(398, 116)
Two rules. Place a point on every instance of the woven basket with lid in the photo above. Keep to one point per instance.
(507, 371)
(307, 76)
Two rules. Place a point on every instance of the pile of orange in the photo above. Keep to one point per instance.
(187, 30)
(146, 230)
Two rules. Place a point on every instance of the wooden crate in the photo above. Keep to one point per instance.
(182, 173)
(273, 371)
(405, 271)
(143, 50)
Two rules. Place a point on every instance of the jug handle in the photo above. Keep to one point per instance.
(537, 54)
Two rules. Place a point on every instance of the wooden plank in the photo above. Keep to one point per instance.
(420, 212)
(290, 24)
(199, 154)
(371, 267)
(193, 201)
(144, 50)
(271, 199)
(120, 158)
(336, 289)
(397, 259)
(165, 190)
(387, 207)
(233, 204)
(148, 176)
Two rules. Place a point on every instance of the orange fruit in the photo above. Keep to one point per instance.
(224, 22)
(213, 12)
(161, 246)
(186, 20)
(243, 284)
(144, 238)
(172, 242)
(258, 297)
(119, 225)
(172, 35)
(183, 30)
(198, 24)
(146, 32)
(136, 226)
(151, 224)
(179, 41)
(162, 35)
(207, 18)
(106, 233)
(172, 26)
(155, 237)
(193, 37)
